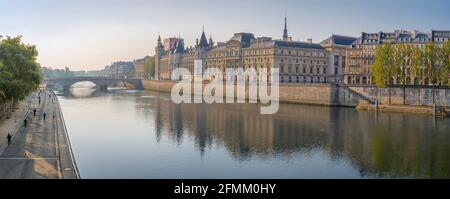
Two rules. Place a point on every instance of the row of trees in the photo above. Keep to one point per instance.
(20, 73)
(429, 65)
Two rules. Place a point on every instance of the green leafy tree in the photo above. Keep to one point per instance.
(384, 69)
(20, 74)
(417, 63)
(432, 66)
(402, 62)
(2, 93)
(444, 63)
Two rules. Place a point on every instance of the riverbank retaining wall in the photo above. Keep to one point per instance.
(414, 96)
(314, 94)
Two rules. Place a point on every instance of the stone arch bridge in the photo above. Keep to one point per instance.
(101, 82)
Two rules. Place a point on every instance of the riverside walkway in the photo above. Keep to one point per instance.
(42, 149)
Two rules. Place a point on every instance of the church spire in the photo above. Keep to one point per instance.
(159, 40)
(285, 33)
(203, 41)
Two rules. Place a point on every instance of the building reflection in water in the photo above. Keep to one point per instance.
(379, 145)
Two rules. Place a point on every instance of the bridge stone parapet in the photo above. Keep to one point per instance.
(101, 82)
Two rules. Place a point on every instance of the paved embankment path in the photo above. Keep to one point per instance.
(13, 123)
(42, 149)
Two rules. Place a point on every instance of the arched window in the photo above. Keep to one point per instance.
(427, 81)
(364, 80)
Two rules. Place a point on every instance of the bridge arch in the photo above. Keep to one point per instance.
(100, 82)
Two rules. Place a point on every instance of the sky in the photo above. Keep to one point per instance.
(90, 34)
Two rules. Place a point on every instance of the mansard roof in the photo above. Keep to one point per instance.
(338, 40)
(297, 44)
(283, 43)
(244, 38)
(400, 36)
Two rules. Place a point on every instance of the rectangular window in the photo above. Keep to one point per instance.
(343, 61)
(336, 60)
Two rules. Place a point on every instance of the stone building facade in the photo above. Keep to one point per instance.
(141, 67)
(360, 56)
(298, 62)
(337, 46)
(120, 69)
(179, 56)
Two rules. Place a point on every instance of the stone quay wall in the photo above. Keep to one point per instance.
(313, 94)
(414, 96)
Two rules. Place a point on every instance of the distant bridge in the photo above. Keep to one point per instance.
(101, 82)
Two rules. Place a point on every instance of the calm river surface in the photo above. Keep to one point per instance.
(142, 134)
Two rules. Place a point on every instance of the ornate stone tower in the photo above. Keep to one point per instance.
(202, 48)
(159, 51)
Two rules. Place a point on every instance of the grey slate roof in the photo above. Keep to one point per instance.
(296, 44)
(244, 38)
(180, 46)
(282, 43)
(203, 41)
(338, 40)
(399, 36)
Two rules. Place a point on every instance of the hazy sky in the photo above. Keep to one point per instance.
(90, 34)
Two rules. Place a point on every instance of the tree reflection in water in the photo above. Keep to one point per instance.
(380, 145)
(156, 138)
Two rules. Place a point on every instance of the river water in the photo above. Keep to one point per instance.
(142, 134)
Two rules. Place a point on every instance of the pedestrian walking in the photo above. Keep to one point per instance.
(9, 137)
(34, 112)
(45, 115)
(25, 122)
